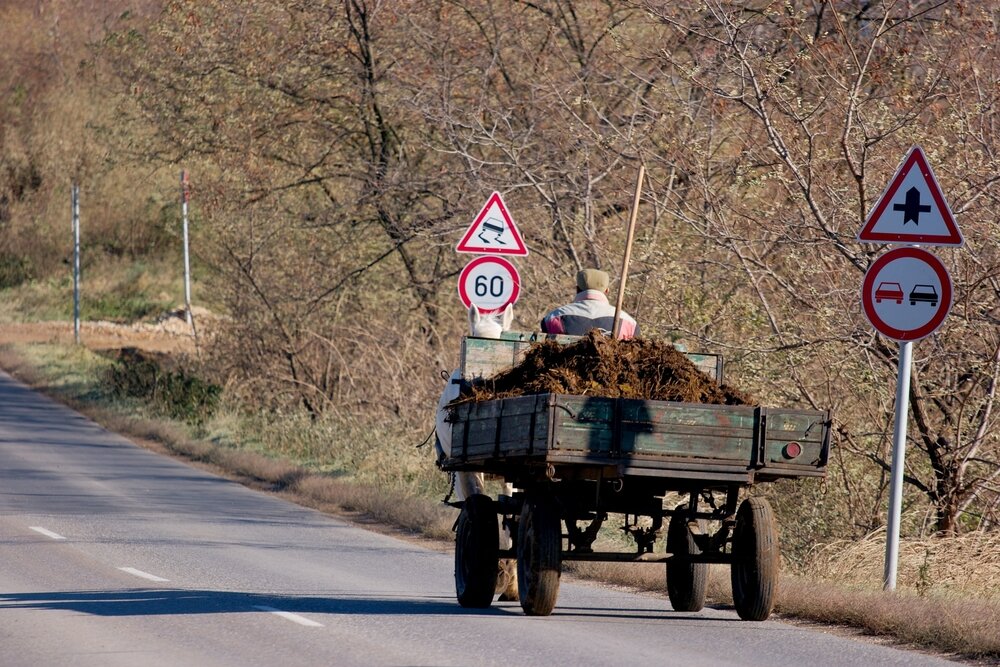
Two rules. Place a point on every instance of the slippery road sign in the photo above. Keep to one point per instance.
(912, 209)
(906, 294)
(493, 232)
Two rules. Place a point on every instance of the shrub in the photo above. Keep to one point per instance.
(173, 393)
(14, 270)
(119, 308)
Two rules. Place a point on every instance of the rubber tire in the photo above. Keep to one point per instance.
(756, 559)
(477, 553)
(539, 540)
(687, 583)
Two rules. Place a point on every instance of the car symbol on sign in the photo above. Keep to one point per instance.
(890, 291)
(925, 293)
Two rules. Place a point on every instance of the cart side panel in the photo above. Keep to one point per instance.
(784, 428)
(509, 427)
(524, 425)
(689, 429)
(626, 427)
(477, 424)
(583, 424)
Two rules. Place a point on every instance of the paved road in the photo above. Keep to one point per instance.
(112, 555)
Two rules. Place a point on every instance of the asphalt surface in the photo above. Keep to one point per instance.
(113, 555)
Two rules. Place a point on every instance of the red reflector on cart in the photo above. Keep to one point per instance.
(792, 450)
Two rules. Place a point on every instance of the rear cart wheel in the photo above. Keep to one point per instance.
(477, 552)
(539, 541)
(756, 558)
(686, 581)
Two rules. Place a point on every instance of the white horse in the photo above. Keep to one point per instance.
(470, 483)
(481, 326)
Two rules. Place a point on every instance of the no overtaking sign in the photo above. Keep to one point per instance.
(906, 294)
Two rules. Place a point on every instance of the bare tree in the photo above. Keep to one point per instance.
(314, 192)
(811, 105)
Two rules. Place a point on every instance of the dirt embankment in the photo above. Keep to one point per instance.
(169, 334)
(599, 366)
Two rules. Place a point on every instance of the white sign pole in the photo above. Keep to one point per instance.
(898, 460)
(185, 195)
(76, 262)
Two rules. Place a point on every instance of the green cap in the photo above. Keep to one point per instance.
(592, 279)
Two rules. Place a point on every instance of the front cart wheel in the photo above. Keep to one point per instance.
(756, 559)
(477, 552)
(686, 581)
(538, 543)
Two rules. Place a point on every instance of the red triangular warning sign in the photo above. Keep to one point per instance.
(912, 209)
(493, 232)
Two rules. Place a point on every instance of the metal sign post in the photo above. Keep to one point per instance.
(75, 204)
(185, 196)
(898, 461)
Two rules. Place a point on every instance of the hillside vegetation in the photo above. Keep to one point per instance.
(338, 150)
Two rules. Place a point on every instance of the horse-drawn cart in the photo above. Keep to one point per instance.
(576, 459)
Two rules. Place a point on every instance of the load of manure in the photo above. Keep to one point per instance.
(599, 366)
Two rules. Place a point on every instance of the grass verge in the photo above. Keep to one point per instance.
(112, 289)
(347, 470)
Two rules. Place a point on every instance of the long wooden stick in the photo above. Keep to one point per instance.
(616, 327)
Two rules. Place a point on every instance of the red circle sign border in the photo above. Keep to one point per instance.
(869, 282)
(515, 276)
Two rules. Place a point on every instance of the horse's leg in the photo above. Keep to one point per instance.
(507, 579)
(468, 484)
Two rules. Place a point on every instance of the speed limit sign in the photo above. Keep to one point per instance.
(490, 283)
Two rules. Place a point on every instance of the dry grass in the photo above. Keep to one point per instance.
(964, 627)
(956, 567)
(925, 614)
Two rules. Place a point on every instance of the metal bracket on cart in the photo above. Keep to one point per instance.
(645, 537)
(582, 541)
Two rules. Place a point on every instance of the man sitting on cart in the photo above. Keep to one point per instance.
(589, 310)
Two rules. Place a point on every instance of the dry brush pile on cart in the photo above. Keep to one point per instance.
(585, 427)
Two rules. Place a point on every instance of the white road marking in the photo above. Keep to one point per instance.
(140, 573)
(47, 533)
(294, 618)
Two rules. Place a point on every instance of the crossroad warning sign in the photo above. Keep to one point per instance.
(912, 209)
(493, 232)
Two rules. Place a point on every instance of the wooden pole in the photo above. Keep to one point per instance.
(616, 328)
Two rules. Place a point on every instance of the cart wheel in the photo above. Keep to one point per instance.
(686, 582)
(756, 558)
(539, 541)
(477, 552)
